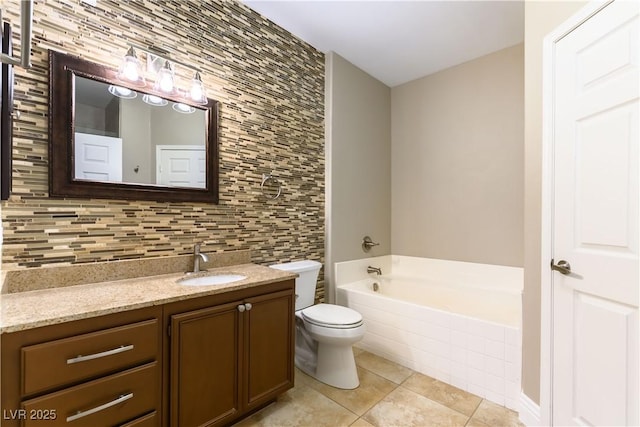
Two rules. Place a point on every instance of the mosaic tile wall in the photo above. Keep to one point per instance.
(271, 91)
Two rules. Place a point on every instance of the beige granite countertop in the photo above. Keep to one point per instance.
(31, 309)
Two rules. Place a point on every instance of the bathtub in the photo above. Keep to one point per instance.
(457, 322)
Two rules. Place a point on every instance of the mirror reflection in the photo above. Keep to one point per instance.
(122, 136)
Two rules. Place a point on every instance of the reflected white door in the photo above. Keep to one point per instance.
(595, 221)
(181, 165)
(98, 158)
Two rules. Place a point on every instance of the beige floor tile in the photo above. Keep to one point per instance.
(357, 351)
(361, 422)
(302, 379)
(419, 401)
(403, 407)
(373, 388)
(383, 367)
(301, 406)
(475, 423)
(495, 415)
(450, 396)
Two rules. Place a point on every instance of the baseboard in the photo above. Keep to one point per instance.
(529, 413)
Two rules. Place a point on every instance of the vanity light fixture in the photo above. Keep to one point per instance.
(122, 92)
(164, 78)
(130, 70)
(198, 93)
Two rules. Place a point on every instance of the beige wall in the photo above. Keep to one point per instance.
(540, 19)
(457, 160)
(358, 161)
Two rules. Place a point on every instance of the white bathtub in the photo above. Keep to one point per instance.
(455, 321)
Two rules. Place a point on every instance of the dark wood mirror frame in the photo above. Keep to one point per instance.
(62, 183)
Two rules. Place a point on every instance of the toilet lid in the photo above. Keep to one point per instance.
(331, 315)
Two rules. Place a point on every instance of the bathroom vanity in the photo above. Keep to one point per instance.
(147, 351)
(242, 340)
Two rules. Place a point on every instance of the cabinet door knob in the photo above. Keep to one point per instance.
(241, 308)
(248, 306)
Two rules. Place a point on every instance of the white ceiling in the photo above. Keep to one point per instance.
(399, 41)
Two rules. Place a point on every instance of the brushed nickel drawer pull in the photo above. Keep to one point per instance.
(81, 358)
(82, 414)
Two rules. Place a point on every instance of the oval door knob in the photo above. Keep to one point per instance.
(562, 266)
(241, 308)
(248, 306)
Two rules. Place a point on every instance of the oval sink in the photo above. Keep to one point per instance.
(214, 279)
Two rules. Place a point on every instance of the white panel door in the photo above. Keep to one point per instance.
(181, 165)
(595, 221)
(98, 158)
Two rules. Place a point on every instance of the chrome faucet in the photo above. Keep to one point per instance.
(197, 256)
(376, 270)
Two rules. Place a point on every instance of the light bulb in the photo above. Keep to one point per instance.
(197, 91)
(164, 82)
(130, 68)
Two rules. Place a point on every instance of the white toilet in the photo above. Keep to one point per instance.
(324, 332)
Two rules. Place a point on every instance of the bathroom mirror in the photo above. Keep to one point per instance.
(108, 139)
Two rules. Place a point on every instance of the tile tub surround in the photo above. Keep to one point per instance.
(476, 355)
(32, 309)
(271, 91)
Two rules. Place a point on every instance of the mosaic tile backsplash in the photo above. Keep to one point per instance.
(271, 91)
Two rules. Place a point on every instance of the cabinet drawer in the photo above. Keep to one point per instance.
(104, 402)
(62, 362)
(149, 420)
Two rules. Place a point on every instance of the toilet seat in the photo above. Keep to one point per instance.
(332, 316)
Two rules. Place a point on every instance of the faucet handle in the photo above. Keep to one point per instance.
(367, 243)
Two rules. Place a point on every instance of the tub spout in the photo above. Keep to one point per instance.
(376, 270)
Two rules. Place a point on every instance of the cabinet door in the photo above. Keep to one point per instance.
(269, 327)
(205, 348)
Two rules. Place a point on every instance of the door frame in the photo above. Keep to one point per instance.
(546, 253)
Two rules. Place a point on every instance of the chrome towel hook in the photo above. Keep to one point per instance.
(265, 179)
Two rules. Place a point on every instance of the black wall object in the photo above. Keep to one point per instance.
(6, 116)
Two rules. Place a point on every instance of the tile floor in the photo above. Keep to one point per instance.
(389, 395)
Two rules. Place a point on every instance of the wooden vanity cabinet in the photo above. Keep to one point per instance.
(204, 361)
(229, 354)
(93, 372)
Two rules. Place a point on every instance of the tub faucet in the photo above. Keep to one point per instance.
(376, 270)
(197, 256)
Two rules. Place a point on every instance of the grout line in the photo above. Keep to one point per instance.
(378, 401)
(474, 411)
(442, 404)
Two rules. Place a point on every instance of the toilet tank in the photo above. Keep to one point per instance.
(308, 271)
